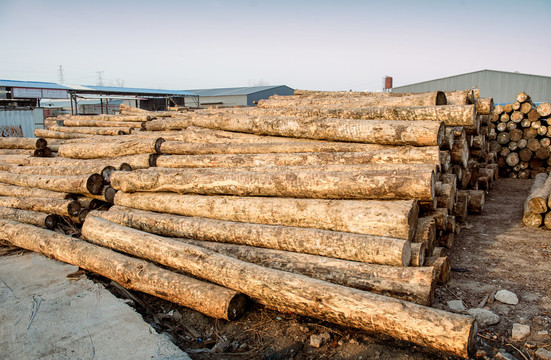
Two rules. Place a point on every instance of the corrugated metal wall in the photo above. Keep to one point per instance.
(280, 90)
(13, 121)
(502, 86)
(228, 100)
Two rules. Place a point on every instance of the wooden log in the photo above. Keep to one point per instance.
(101, 123)
(92, 130)
(484, 106)
(384, 132)
(35, 218)
(133, 110)
(445, 195)
(525, 123)
(522, 97)
(77, 184)
(116, 149)
(529, 218)
(404, 155)
(417, 254)
(84, 169)
(446, 240)
(297, 293)
(476, 200)
(59, 207)
(499, 109)
(517, 116)
(439, 251)
(22, 191)
(50, 134)
(451, 115)
(543, 153)
(530, 133)
(450, 224)
(502, 127)
(440, 216)
(515, 134)
(533, 144)
(441, 266)
(533, 115)
(141, 161)
(131, 273)
(445, 162)
(428, 205)
(547, 221)
(525, 154)
(538, 198)
(508, 108)
(460, 153)
(461, 206)
(340, 245)
(426, 232)
(424, 99)
(407, 283)
(112, 118)
(544, 109)
(397, 219)
(516, 105)
(388, 185)
(22, 143)
(545, 142)
(526, 107)
(511, 125)
(512, 159)
(27, 152)
(535, 125)
(542, 130)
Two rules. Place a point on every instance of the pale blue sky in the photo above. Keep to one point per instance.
(332, 45)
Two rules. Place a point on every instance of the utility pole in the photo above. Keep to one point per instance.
(99, 82)
(60, 74)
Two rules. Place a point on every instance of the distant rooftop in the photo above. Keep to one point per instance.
(125, 90)
(247, 90)
(32, 84)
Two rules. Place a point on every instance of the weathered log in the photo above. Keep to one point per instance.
(445, 195)
(141, 161)
(544, 109)
(405, 155)
(424, 99)
(539, 195)
(385, 218)
(484, 106)
(441, 266)
(407, 283)
(460, 153)
(50, 134)
(417, 254)
(22, 191)
(297, 293)
(27, 152)
(113, 118)
(84, 169)
(341, 245)
(22, 143)
(426, 232)
(461, 206)
(101, 123)
(512, 159)
(59, 207)
(131, 273)
(446, 240)
(387, 185)
(76, 184)
(476, 200)
(385, 132)
(93, 130)
(35, 218)
(183, 148)
(114, 149)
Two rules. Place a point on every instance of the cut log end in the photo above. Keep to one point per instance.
(158, 143)
(125, 167)
(106, 173)
(237, 306)
(50, 222)
(441, 98)
(109, 194)
(94, 184)
(41, 143)
(153, 160)
(73, 208)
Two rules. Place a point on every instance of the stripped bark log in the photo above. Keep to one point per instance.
(397, 219)
(22, 191)
(35, 218)
(77, 184)
(93, 130)
(340, 245)
(50, 134)
(297, 293)
(426, 232)
(131, 273)
(417, 254)
(388, 185)
(536, 201)
(110, 149)
(441, 266)
(101, 123)
(46, 205)
(22, 143)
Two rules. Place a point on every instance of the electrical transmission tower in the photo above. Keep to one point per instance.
(99, 82)
(60, 74)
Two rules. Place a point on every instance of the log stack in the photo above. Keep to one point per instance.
(311, 206)
(521, 138)
(537, 207)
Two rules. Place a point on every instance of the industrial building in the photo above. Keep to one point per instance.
(503, 86)
(238, 96)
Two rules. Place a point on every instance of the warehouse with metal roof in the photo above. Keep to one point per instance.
(503, 86)
(238, 96)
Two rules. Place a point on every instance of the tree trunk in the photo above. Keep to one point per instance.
(484, 106)
(445, 194)
(451, 115)
(111, 118)
(77, 184)
(340, 245)
(536, 202)
(440, 216)
(183, 148)
(297, 293)
(59, 170)
(396, 219)
(424, 99)
(404, 155)
(544, 109)
(50, 134)
(384, 185)
(460, 153)
(407, 283)
(426, 232)
(22, 191)
(27, 152)
(384, 132)
(29, 217)
(476, 200)
(101, 123)
(46, 205)
(115, 149)
(22, 143)
(93, 130)
(417, 254)
(441, 266)
(136, 274)
(141, 161)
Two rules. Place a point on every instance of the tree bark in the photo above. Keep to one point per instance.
(93, 130)
(22, 143)
(50, 134)
(21, 191)
(340, 245)
(35, 218)
(412, 284)
(297, 293)
(112, 118)
(426, 232)
(476, 200)
(46, 205)
(417, 254)
(110, 149)
(77, 184)
(384, 185)
(484, 106)
(384, 132)
(537, 200)
(396, 219)
(441, 266)
(136, 274)
(101, 123)
(404, 155)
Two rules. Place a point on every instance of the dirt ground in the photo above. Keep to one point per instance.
(494, 251)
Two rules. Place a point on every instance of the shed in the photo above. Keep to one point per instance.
(239, 96)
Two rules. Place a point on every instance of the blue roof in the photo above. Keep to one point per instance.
(114, 89)
(32, 84)
(233, 91)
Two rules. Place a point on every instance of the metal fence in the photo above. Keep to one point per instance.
(21, 122)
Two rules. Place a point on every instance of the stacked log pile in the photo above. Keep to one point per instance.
(521, 138)
(327, 215)
(537, 207)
